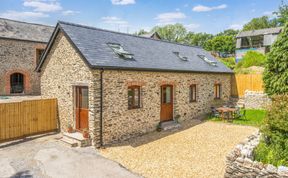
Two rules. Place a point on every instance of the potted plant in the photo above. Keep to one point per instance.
(177, 117)
(158, 128)
(69, 128)
(85, 133)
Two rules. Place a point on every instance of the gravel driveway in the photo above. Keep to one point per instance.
(198, 151)
(47, 157)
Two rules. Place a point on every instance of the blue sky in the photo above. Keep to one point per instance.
(211, 16)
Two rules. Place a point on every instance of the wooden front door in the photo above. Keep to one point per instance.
(166, 103)
(81, 107)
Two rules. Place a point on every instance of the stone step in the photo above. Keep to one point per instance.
(78, 138)
(169, 125)
(69, 141)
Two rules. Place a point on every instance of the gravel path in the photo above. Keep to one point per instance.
(198, 151)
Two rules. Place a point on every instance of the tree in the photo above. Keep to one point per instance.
(276, 70)
(221, 44)
(197, 39)
(282, 14)
(173, 33)
(141, 32)
(260, 23)
(228, 32)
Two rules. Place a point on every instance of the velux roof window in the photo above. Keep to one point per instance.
(204, 58)
(183, 58)
(118, 49)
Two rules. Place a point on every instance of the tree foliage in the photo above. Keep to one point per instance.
(197, 39)
(221, 44)
(282, 14)
(276, 70)
(260, 23)
(173, 33)
(252, 58)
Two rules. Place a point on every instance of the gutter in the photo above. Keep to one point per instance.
(101, 107)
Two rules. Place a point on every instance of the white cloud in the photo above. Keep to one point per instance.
(192, 26)
(22, 15)
(201, 8)
(43, 5)
(170, 17)
(236, 26)
(70, 12)
(113, 20)
(123, 2)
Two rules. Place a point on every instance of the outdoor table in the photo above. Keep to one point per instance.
(223, 110)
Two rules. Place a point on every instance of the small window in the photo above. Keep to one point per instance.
(119, 50)
(204, 58)
(183, 58)
(39, 53)
(17, 83)
(133, 97)
(217, 91)
(193, 93)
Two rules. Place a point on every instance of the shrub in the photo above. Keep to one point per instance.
(276, 71)
(273, 148)
(229, 62)
(252, 58)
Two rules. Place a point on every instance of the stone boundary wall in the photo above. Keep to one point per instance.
(239, 163)
(256, 100)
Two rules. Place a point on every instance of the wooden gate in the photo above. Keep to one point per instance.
(20, 119)
(242, 82)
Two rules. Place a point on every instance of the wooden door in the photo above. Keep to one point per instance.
(166, 103)
(81, 107)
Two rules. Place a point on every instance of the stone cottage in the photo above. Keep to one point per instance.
(21, 45)
(119, 85)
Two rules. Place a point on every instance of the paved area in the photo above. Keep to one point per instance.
(48, 157)
(197, 151)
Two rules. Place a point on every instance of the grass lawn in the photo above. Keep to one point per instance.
(254, 117)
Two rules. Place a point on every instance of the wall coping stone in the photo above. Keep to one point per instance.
(240, 161)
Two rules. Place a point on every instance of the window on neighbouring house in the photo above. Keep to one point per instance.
(217, 91)
(193, 93)
(39, 53)
(133, 97)
(17, 83)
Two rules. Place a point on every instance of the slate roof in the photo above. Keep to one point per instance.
(265, 31)
(154, 35)
(149, 54)
(25, 31)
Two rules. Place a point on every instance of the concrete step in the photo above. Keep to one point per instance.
(78, 138)
(69, 141)
(169, 125)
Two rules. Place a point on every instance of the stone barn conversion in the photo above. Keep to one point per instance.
(21, 45)
(119, 85)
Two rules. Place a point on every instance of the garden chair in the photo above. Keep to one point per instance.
(214, 113)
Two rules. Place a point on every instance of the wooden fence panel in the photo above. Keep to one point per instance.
(242, 82)
(20, 119)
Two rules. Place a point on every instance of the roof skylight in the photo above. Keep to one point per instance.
(119, 50)
(183, 58)
(213, 63)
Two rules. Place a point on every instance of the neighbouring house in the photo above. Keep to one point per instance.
(154, 35)
(21, 45)
(119, 85)
(256, 40)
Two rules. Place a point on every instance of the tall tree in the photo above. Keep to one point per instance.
(228, 32)
(260, 23)
(282, 14)
(141, 32)
(197, 39)
(173, 33)
(276, 70)
(221, 44)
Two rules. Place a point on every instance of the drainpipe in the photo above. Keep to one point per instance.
(101, 107)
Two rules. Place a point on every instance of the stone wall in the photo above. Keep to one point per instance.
(256, 100)
(121, 123)
(62, 70)
(19, 57)
(239, 163)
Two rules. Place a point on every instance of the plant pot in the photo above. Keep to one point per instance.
(85, 134)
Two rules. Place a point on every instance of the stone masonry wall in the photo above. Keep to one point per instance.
(239, 163)
(256, 100)
(121, 123)
(62, 70)
(19, 57)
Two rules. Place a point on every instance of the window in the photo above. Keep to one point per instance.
(39, 53)
(183, 58)
(217, 91)
(16, 83)
(193, 93)
(204, 58)
(119, 50)
(133, 97)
